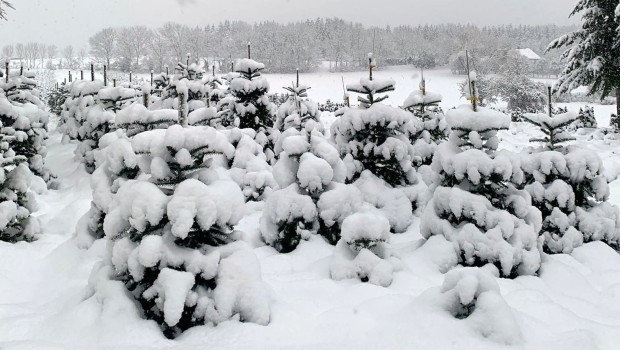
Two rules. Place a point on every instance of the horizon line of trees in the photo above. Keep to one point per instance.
(303, 44)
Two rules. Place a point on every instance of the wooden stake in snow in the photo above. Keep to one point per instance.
(188, 54)
(549, 101)
(130, 76)
(249, 50)
(146, 97)
(213, 69)
(472, 84)
(152, 72)
(167, 71)
(6, 70)
(81, 75)
(21, 70)
(114, 82)
(346, 94)
(70, 77)
(182, 108)
(92, 72)
(105, 75)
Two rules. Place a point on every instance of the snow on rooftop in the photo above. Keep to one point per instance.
(529, 54)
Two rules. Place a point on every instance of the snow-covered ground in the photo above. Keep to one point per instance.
(574, 303)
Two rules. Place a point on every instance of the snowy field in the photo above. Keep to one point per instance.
(45, 302)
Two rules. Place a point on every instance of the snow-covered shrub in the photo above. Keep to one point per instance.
(361, 252)
(566, 184)
(473, 295)
(310, 166)
(433, 128)
(476, 205)
(288, 217)
(170, 231)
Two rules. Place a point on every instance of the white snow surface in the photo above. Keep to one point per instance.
(574, 304)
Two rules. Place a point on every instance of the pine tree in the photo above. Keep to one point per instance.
(592, 51)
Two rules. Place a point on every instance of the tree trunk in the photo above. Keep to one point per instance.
(618, 101)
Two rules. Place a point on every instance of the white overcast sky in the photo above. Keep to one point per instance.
(65, 22)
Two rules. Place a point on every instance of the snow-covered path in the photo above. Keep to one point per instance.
(45, 302)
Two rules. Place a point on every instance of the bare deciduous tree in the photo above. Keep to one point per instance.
(68, 55)
(52, 52)
(103, 45)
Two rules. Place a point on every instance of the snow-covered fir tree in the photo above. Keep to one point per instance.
(566, 184)
(476, 206)
(249, 106)
(297, 109)
(433, 128)
(57, 98)
(585, 118)
(16, 199)
(308, 166)
(191, 79)
(25, 114)
(374, 136)
(171, 231)
(99, 120)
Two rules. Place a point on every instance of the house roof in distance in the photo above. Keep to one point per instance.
(529, 54)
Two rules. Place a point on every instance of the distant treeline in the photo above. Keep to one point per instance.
(304, 45)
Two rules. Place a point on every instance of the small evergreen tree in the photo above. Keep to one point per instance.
(297, 109)
(476, 205)
(568, 188)
(16, 201)
(432, 129)
(374, 136)
(308, 166)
